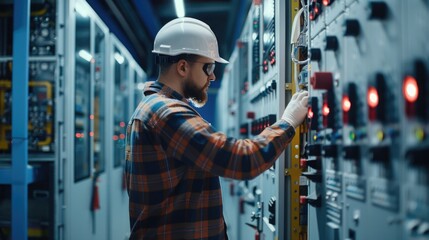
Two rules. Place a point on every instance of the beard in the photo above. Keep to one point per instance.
(196, 95)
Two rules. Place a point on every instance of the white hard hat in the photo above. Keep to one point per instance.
(187, 36)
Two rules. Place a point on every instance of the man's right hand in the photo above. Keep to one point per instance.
(296, 110)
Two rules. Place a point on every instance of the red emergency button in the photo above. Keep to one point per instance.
(322, 80)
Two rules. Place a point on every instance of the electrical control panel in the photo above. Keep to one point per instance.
(362, 151)
(365, 57)
(255, 89)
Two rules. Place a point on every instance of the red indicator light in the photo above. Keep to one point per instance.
(326, 2)
(346, 104)
(372, 97)
(115, 137)
(316, 10)
(312, 16)
(303, 162)
(302, 200)
(310, 113)
(122, 124)
(325, 110)
(410, 89)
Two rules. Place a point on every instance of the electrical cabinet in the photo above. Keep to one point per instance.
(361, 152)
(82, 89)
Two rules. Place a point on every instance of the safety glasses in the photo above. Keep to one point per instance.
(208, 68)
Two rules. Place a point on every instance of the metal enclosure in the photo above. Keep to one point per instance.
(82, 90)
(257, 85)
(362, 153)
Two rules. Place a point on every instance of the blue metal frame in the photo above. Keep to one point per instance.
(22, 173)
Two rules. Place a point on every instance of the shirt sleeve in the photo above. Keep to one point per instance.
(188, 137)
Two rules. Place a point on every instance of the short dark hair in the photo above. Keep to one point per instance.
(165, 61)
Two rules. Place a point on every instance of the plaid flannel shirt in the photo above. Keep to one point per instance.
(173, 162)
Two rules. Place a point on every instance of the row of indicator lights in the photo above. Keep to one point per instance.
(315, 8)
(410, 91)
(91, 134)
(377, 9)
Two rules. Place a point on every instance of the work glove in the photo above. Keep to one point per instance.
(296, 110)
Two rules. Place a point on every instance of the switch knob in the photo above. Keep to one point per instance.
(377, 10)
(314, 150)
(380, 153)
(352, 152)
(331, 43)
(313, 176)
(351, 27)
(272, 219)
(330, 150)
(274, 84)
(315, 54)
(313, 163)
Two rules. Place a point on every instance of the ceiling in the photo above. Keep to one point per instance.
(138, 21)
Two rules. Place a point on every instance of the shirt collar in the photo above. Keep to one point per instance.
(162, 89)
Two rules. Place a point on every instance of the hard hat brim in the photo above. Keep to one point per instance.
(221, 60)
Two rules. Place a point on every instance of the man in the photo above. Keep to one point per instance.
(174, 157)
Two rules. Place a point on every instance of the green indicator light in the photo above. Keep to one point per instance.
(352, 136)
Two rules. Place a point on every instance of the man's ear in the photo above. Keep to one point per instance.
(182, 68)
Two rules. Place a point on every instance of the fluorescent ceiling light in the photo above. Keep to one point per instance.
(180, 8)
(119, 58)
(85, 55)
